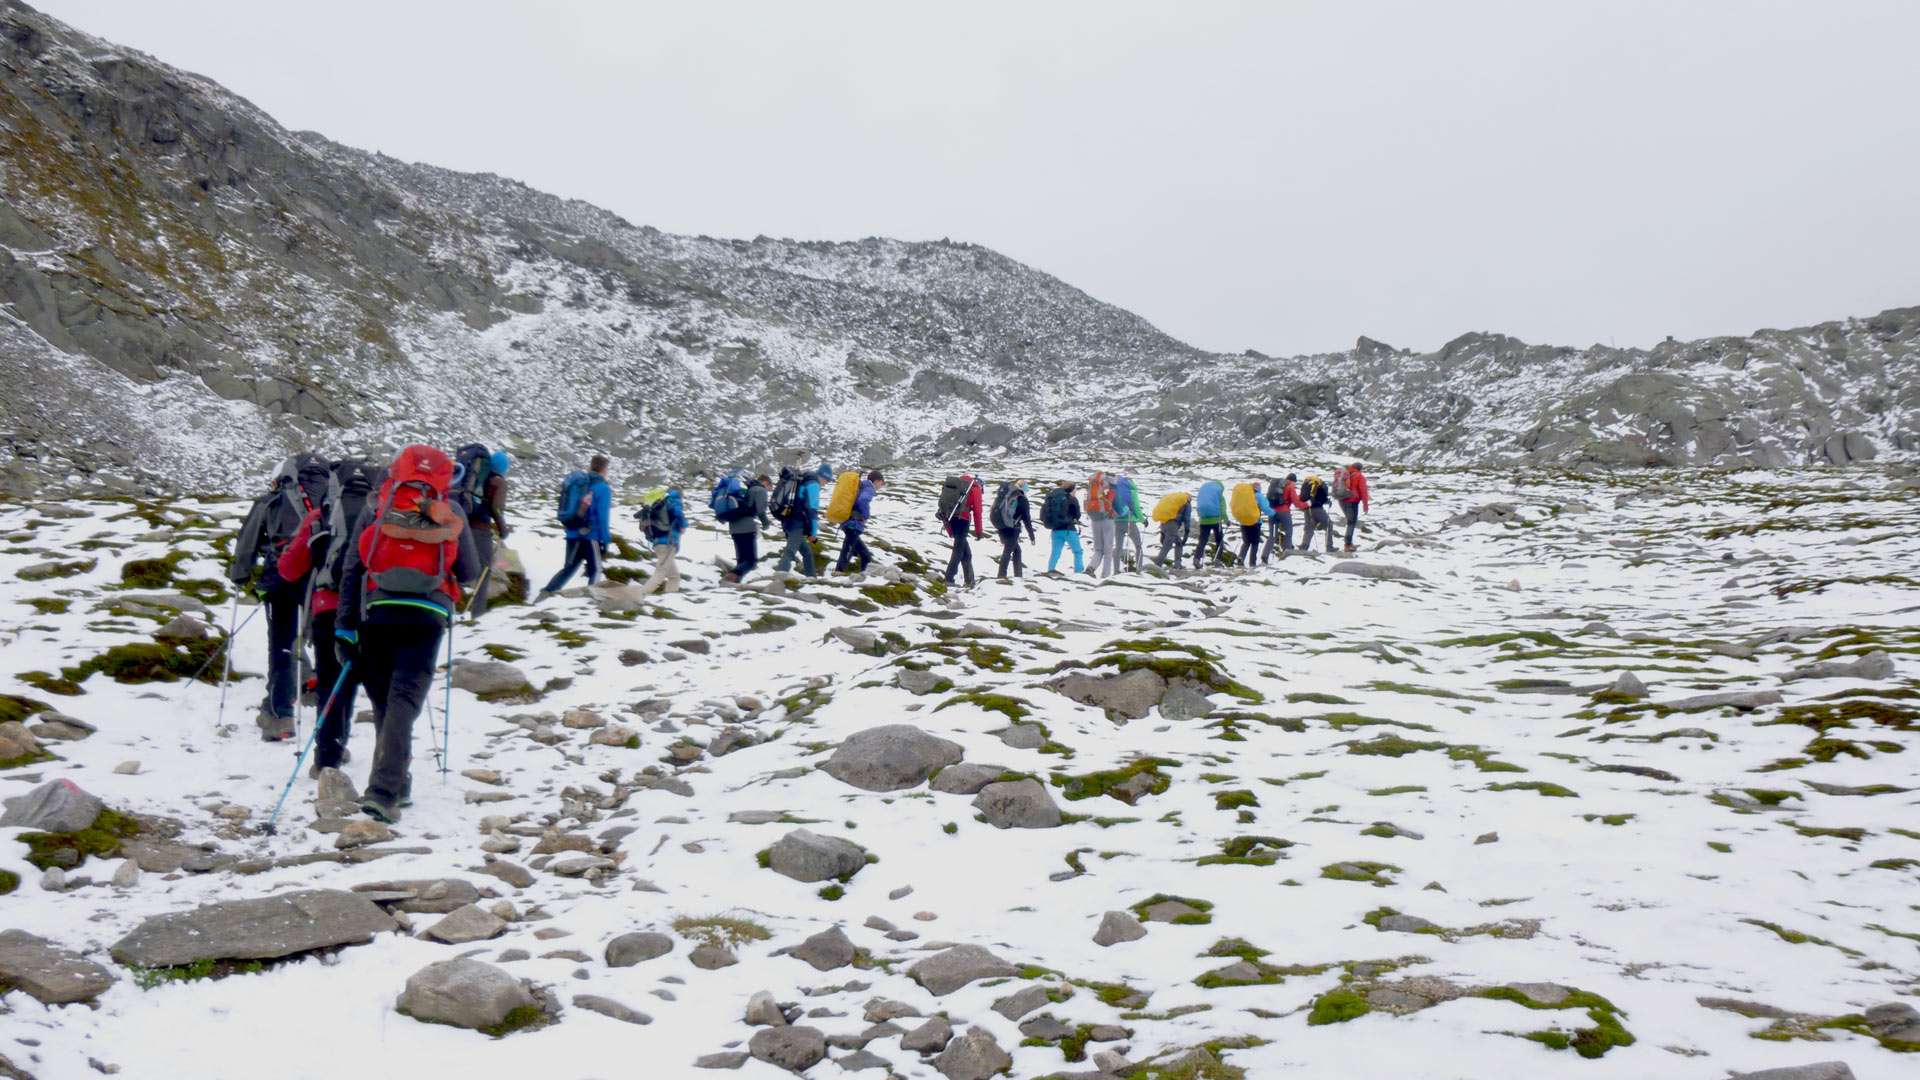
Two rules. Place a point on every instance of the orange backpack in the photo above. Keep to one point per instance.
(1100, 494)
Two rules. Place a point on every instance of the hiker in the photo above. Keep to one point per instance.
(1211, 508)
(1100, 518)
(410, 555)
(1128, 515)
(1251, 535)
(1174, 512)
(663, 519)
(1285, 497)
(1314, 492)
(320, 548)
(797, 508)
(297, 487)
(961, 509)
(489, 520)
(1010, 514)
(1350, 490)
(853, 546)
(1060, 513)
(586, 512)
(745, 529)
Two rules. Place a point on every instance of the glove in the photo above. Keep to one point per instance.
(346, 646)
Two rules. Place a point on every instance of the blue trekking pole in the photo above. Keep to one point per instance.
(268, 828)
(446, 714)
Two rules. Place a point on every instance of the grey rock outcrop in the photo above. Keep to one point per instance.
(1181, 704)
(794, 1048)
(48, 973)
(950, 969)
(890, 758)
(965, 778)
(1018, 804)
(1118, 926)
(1376, 571)
(1132, 694)
(973, 1056)
(630, 949)
(807, 856)
(487, 677)
(929, 1038)
(464, 993)
(267, 928)
(57, 806)
(1823, 1070)
(1876, 665)
(826, 950)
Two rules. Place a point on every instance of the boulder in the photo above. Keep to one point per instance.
(267, 928)
(1182, 704)
(428, 896)
(1376, 571)
(929, 1038)
(807, 856)
(486, 677)
(1629, 685)
(763, 1011)
(1825, 1070)
(864, 641)
(470, 923)
(1744, 700)
(890, 757)
(950, 969)
(973, 1056)
(1403, 924)
(965, 778)
(1498, 513)
(711, 957)
(59, 727)
(1132, 694)
(826, 950)
(920, 683)
(1876, 665)
(1018, 804)
(57, 806)
(794, 1048)
(16, 741)
(1894, 1020)
(630, 949)
(1023, 736)
(1021, 1002)
(1118, 926)
(47, 972)
(462, 992)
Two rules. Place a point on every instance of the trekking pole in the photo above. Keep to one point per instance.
(226, 653)
(481, 584)
(446, 714)
(269, 829)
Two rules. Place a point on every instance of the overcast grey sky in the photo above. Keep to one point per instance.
(1276, 176)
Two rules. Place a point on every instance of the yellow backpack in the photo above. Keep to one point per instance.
(1169, 506)
(846, 488)
(1245, 506)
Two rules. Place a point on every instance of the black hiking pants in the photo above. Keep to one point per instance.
(853, 548)
(746, 553)
(1249, 544)
(398, 677)
(962, 557)
(799, 545)
(1010, 553)
(483, 541)
(283, 625)
(336, 718)
(1352, 510)
(581, 551)
(1219, 535)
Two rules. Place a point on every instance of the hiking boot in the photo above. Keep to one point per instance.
(379, 809)
(1351, 549)
(274, 728)
(542, 598)
(313, 771)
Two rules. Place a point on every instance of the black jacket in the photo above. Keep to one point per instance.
(1022, 513)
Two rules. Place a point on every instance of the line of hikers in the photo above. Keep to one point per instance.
(370, 565)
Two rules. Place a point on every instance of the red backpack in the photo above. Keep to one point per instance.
(415, 536)
(1100, 493)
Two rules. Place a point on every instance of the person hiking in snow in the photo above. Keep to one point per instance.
(1284, 495)
(320, 549)
(1350, 490)
(1315, 493)
(410, 556)
(745, 529)
(1174, 533)
(1060, 513)
(853, 546)
(1010, 514)
(586, 512)
(1250, 535)
(663, 520)
(1100, 519)
(1211, 509)
(489, 521)
(967, 512)
(1128, 515)
(296, 488)
(798, 512)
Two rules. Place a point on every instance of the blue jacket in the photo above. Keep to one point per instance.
(676, 518)
(1266, 508)
(1211, 500)
(602, 508)
(806, 509)
(862, 509)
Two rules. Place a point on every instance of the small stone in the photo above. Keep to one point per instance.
(579, 719)
(1118, 926)
(808, 856)
(1019, 804)
(795, 1048)
(469, 923)
(712, 958)
(929, 1038)
(900, 893)
(1171, 911)
(973, 1056)
(46, 972)
(127, 874)
(463, 992)
(53, 879)
(127, 768)
(762, 1010)
(1487, 838)
(1020, 1003)
(826, 950)
(606, 1006)
(1403, 924)
(1629, 685)
(881, 1010)
(1824, 1070)
(505, 911)
(512, 873)
(731, 1059)
(1023, 736)
(861, 1060)
(361, 832)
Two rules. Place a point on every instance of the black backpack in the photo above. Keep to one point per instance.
(786, 496)
(1055, 512)
(474, 465)
(953, 497)
(656, 519)
(1276, 494)
(1006, 507)
(354, 481)
(1312, 490)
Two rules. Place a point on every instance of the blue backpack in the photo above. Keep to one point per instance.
(1212, 495)
(576, 502)
(729, 500)
(1123, 502)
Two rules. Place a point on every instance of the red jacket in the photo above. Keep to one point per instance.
(1290, 498)
(976, 511)
(297, 560)
(1359, 485)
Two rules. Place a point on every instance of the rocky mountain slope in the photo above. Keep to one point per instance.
(189, 289)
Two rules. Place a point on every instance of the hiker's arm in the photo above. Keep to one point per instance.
(352, 572)
(466, 563)
(246, 549)
(497, 503)
(297, 559)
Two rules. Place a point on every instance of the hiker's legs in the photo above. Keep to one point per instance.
(594, 557)
(1139, 544)
(576, 556)
(961, 554)
(1009, 549)
(1059, 545)
(1352, 510)
(1073, 541)
(853, 550)
(401, 658)
(482, 546)
(664, 570)
(746, 552)
(1167, 534)
(283, 625)
(1283, 527)
(330, 743)
(1249, 544)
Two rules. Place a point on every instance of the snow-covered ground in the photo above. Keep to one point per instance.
(1359, 702)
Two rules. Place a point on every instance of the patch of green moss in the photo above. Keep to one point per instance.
(896, 594)
(1373, 873)
(1795, 937)
(1089, 785)
(1204, 907)
(49, 605)
(68, 850)
(150, 573)
(1234, 800)
(1541, 786)
(9, 881)
(1313, 698)
(1404, 789)
(46, 571)
(832, 892)
(146, 978)
(1239, 948)
(1851, 833)
(1609, 819)
(140, 662)
(771, 622)
(1247, 851)
(1721, 846)
(15, 709)
(503, 653)
(1385, 686)
(1337, 1007)
(1347, 721)
(1012, 708)
(1894, 864)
